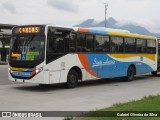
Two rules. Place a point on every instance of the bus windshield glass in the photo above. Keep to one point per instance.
(28, 47)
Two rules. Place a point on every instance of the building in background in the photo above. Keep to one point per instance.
(5, 34)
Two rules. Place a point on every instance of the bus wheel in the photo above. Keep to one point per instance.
(72, 79)
(130, 74)
(154, 73)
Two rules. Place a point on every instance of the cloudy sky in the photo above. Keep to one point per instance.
(72, 12)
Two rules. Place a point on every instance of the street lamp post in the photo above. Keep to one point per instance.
(106, 5)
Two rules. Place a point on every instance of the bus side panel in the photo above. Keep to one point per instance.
(88, 72)
(102, 66)
(116, 65)
(71, 61)
(54, 76)
(107, 67)
(144, 63)
(54, 71)
(58, 69)
(40, 78)
(83, 65)
(68, 62)
(158, 57)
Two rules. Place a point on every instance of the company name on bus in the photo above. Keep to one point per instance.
(97, 63)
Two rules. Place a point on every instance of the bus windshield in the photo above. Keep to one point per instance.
(27, 48)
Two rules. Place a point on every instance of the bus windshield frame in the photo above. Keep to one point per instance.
(27, 49)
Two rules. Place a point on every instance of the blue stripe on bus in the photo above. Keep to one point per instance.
(98, 31)
(21, 74)
(106, 67)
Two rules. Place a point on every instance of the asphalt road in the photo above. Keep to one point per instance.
(87, 96)
(4, 75)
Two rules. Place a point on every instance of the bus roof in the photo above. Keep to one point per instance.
(108, 31)
(115, 33)
(105, 31)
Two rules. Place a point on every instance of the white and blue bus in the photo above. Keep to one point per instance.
(47, 54)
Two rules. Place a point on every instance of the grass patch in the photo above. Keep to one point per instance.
(150, 103)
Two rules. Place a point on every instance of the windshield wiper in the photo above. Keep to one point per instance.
(27, 42)
(30, 40)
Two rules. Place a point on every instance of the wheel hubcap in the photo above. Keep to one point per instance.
(130, 73)
(72, 78)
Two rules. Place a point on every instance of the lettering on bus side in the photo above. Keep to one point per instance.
(97, 63)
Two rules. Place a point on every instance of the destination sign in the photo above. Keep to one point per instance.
(27, 30)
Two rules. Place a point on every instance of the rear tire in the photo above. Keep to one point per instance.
(72, 79)
(130, 73)
(154, 73)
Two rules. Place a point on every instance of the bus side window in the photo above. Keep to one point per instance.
(55, 44)
(151, 46)
(89, 43)
(61, 41)
(72, 42)
(50, 43)
(85, 42)
(81, 43)
(116, 44)
(141, 45)
(130, 45)
(102, 43)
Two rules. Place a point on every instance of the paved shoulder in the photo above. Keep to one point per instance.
(87, 96)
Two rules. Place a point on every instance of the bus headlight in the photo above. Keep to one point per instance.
(39, 70)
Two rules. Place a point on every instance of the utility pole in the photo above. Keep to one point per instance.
(106, 6)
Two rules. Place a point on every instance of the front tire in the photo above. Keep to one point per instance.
(130, 73)
(72, 79)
